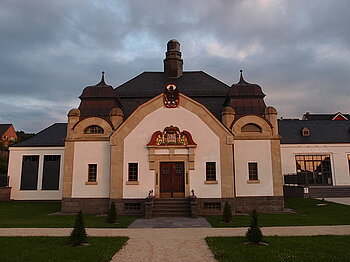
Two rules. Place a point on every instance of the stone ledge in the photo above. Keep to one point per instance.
(253, 181)
(209, 182)
(132, 182)
(91, 183)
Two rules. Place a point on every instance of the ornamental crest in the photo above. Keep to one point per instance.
(171, 136)
(171, 96)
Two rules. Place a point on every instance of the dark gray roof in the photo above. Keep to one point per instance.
(198, 85)
(310, 116)
(54, 135)
(3, 128)
(321, 131)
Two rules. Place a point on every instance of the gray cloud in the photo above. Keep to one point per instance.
(298, 51)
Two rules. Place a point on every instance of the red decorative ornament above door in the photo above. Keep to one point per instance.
(171, 136)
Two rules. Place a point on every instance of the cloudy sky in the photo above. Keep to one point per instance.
(297, 51)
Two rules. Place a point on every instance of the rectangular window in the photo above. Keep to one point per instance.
(253, 171)
(51, 172)
(92, 173)
(210, 171)
(133, 171)
(314, 169)
(212, 205)
(132, 206)
(29, 176)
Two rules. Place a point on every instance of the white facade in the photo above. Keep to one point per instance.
(338, 153)
(136, 151)
(250, 151)
(15, 171)
(91, 153)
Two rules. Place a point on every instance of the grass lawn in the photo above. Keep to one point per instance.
(56, 249)
(35, 214)
(307, 214)
(310, 248)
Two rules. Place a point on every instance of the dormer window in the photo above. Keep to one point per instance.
(94, 130)
(305, 131)
(251, 128)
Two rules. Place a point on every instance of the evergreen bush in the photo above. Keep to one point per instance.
(78, 235)
(227, 215)
(254, 234)
(112, 214)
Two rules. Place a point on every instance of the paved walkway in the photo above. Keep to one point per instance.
(173, 244)
(170, 222)
(339, 200)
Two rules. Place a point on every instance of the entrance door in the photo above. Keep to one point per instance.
(172, 179)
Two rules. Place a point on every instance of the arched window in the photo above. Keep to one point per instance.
(94, 130)
(251, 128)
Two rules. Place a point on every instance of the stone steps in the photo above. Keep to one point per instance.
(171, 207)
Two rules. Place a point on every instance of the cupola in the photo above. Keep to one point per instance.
(246, 98)
(98, 100)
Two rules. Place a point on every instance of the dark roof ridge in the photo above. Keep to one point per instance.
(161, 72)
(49, 127)
(130, 80)
(33, 141)
(213, 78)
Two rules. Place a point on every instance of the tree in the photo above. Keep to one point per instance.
(227, 215)
(21, 136)
(112, 214)
(254, 234)
(78, 235)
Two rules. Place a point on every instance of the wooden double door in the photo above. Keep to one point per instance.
(172, 179)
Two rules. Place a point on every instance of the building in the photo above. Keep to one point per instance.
(7, 134)
(316, 155)
(166, 136)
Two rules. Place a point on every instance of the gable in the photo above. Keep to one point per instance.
(197, 85)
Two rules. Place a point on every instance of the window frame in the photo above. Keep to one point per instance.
(94, 130)
(210, 171)
(314, 169)
(92, 172)
(25, 184)
(47, 172)
(251, 128)
(133, 172)
(253, 173)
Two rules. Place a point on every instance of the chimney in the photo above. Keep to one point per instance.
(173, 63)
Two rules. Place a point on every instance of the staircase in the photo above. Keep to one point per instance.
(329, 191)
(171, 207)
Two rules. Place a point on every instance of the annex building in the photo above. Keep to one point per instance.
(164, 139)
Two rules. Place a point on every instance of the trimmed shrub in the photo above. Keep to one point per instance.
(78, 235)
(227, 215)
(112, 214)
(254, 234)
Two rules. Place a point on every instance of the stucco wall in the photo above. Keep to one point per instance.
(253, 151)
(86, 153)
(338, 153)
(135, 150)
(15, 170)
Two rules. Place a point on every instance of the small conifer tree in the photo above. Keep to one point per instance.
(112, 214)
(78, 235)
(254, 234)
(227, 215)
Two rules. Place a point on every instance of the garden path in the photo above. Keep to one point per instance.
(174, 244)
